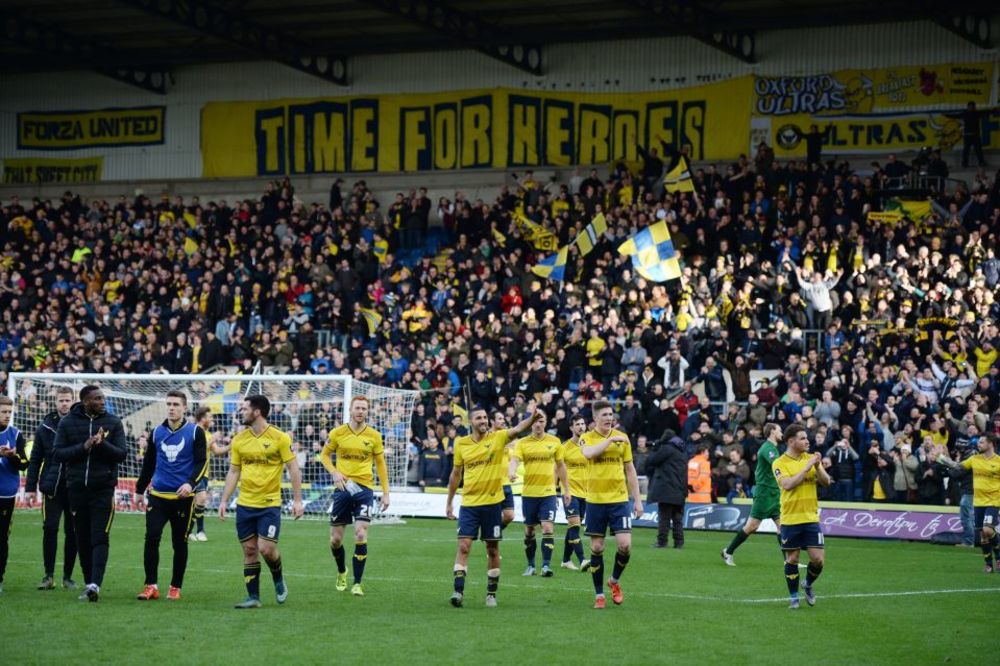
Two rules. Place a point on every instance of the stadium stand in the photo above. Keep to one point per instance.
(892, 350)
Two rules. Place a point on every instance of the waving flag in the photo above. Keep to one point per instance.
(553, 266)
(540, 237)
(679, 178)
(653, 254)
(591, 234)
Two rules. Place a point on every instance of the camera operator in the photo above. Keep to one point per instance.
(842, 457)
(666, 467)
(881, 470)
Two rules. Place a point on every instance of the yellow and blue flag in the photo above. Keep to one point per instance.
(653, 254)
(679, 179)
(588, 238)
(380, 248)
(553, 266)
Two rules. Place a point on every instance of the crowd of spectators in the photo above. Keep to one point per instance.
(881, 338)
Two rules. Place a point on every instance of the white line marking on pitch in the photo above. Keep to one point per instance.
(518, 584)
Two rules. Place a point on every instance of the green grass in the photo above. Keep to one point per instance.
(680, 605)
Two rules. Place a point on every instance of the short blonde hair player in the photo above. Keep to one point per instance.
(357, 446)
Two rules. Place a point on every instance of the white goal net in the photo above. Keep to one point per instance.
(305, 406)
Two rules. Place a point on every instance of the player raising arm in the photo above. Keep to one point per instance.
(203, 419)
(499, 422)
(479, 459)
(357, 445)
(257, 457)
(797, 474)
(985, 468)
(611, 480)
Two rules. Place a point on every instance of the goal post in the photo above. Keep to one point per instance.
(305, 406)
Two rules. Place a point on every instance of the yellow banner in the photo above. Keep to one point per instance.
(496, 128)
(873, 133)
(43, 170)
(68, 130)
(854, 91)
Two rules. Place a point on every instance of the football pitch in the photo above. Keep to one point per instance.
(879, 602)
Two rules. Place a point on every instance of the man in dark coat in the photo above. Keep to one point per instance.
(666, 468)
(90, 444)
(48, 476)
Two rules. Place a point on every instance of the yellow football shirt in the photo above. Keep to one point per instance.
(606, 473)
(985, 479)
(984, 360)
(960, 359)
(577, 467)
(207, 472)
(800, 504)
(482, 462)
(506, 465)
(539, 455)
(356, 452)
(261, 460)
(939, 437)
(594, 348)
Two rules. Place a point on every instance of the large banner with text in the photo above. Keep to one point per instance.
(891, 89)
(882, 110)
(108, 128)
(497, 128)
(873, 133)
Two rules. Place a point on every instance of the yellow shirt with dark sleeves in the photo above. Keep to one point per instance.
(208, 454)
(539, 455)
(356, 453)
(985, 479)
(577, 468)
(482, 463)
(800, 504)
(261, 460)
(606, 472)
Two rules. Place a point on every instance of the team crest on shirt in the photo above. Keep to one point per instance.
(172, 450)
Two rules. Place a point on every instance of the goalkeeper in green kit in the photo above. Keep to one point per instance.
(766, 496)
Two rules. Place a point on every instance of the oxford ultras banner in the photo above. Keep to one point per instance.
(70, 130)
(873, 110)
(495, 128)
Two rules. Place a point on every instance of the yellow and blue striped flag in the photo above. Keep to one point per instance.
(679, 178)
(553, 266)
(653, 254)
(591, 234)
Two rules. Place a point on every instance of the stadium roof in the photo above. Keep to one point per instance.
(141, 41)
